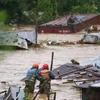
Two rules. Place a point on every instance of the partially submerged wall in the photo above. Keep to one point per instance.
(59, 26)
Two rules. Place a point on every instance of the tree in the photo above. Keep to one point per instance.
(24, 10)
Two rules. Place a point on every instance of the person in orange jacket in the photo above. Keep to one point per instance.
(43, 75)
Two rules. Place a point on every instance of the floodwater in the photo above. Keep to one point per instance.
(14, 64)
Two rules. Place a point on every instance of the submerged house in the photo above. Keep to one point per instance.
(86, 77)
(59, 25)
(18, 39)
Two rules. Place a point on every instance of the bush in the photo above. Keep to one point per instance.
(3, 16)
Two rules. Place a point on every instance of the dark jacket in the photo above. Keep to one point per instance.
(71, 20)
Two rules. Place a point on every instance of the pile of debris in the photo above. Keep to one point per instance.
(57, 43)
(92, 36)
(60, 43)
(18, 39)
(85, 75)
(92, 29)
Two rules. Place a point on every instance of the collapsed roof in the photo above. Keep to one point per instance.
(19, 39)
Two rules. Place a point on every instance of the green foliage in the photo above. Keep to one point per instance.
(25, 11)
(5, 47)
(47, 9)
(85, 8)
(3, 16)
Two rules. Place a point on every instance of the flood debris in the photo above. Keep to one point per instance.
(14, 93)
(2, 95)
(92, 29)
(17, 93)
(88, 68)
(57, 43)
(75, 62)
(86, 76)
(92, 38)
(18, 39)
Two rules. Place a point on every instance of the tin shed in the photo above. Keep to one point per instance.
(59, 26)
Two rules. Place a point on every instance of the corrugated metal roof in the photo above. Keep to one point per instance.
(63, 20)
(17, 38)
(74, 72)
(66, 69)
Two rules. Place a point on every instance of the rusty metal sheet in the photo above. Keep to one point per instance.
(63, 20)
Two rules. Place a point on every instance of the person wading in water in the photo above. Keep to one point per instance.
(45, 75)
(71, 22)
(30, 80)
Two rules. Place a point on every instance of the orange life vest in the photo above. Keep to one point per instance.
(45, 74)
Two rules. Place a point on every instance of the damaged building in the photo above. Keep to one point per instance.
(59, 26)
(18, 39)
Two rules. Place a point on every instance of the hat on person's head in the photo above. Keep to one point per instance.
(36, 65)
(45, 66)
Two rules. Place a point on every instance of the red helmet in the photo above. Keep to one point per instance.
(46, 66)
(36, 65)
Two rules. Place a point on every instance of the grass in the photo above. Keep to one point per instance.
(7, 47)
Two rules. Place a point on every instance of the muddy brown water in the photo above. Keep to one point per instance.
(14, 64)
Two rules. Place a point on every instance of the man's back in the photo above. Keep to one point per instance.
(72, 19)
(30, 73)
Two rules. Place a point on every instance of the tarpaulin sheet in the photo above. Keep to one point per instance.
(94, 61)
(91, 38)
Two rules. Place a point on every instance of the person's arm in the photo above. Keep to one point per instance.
(38, 76)
(51, 75)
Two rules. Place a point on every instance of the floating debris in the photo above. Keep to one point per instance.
(20, 39)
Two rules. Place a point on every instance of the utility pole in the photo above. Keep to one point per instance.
(52, 61)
